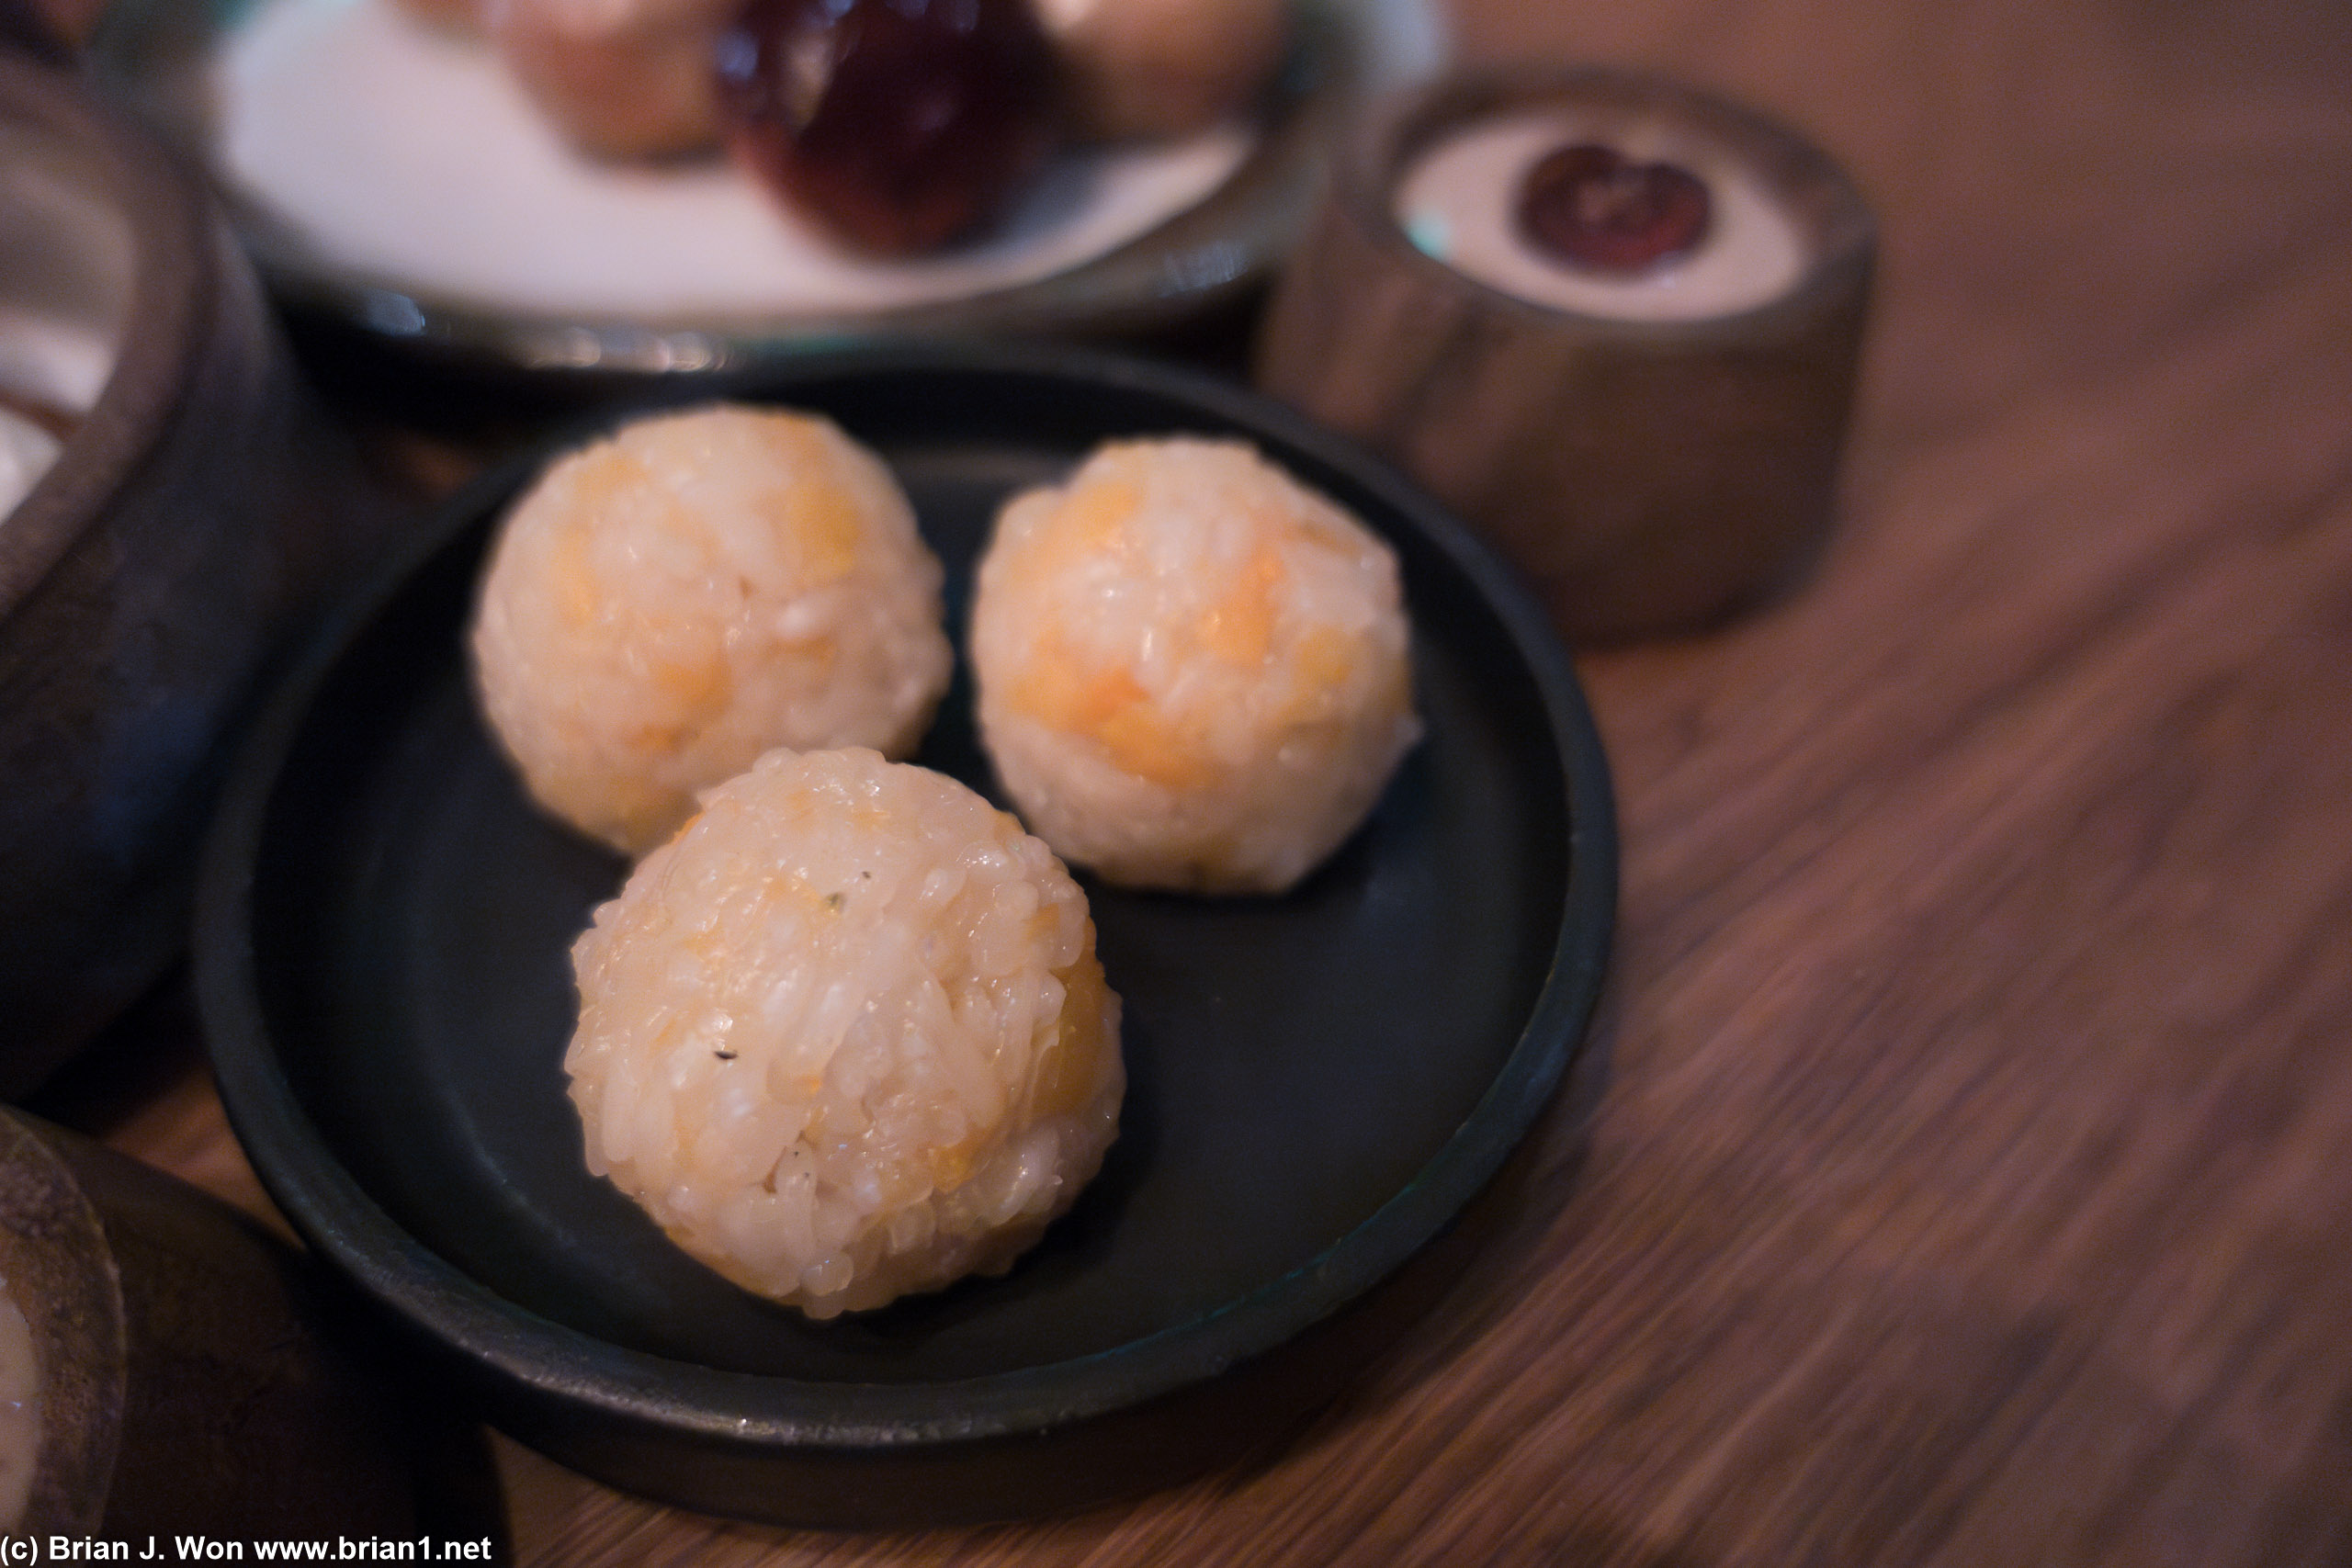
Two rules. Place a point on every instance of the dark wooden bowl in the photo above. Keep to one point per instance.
(200, 509)
(196, 1374)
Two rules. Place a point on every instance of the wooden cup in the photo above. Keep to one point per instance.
(194, 1374)
(203, 515)
(1649, 476)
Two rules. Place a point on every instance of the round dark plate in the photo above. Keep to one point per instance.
(1319, 1082)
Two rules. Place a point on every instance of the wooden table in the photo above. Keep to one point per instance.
(1971, 1183)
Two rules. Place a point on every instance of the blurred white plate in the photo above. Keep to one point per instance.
(397, 180)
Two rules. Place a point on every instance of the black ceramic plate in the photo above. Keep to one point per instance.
(1319, 1082)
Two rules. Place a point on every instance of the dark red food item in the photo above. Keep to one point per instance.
(1590, 207)
(898, 124)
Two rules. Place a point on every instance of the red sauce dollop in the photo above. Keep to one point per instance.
(1592, 207)
(897, 124)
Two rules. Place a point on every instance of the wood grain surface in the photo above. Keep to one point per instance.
(1972, 1178)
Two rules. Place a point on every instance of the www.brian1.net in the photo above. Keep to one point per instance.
(205, 1548)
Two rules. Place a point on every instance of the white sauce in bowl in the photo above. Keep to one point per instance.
(66, 259)
(51, 359)
(1458, 202)
(26, 452)
(19, 1411)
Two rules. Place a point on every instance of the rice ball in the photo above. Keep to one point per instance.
(1195, 671)
(669, 603)
(846, 1036)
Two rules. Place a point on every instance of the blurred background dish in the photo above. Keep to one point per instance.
(401, 195)
(184, 509)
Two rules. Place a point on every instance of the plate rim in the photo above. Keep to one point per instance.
(514, 1346)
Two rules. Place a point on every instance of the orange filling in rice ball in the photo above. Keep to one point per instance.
(1195, 671)
(665, 605)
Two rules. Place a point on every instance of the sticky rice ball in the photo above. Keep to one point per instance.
(1193, 671)
(669, 603)
(846, 1037)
